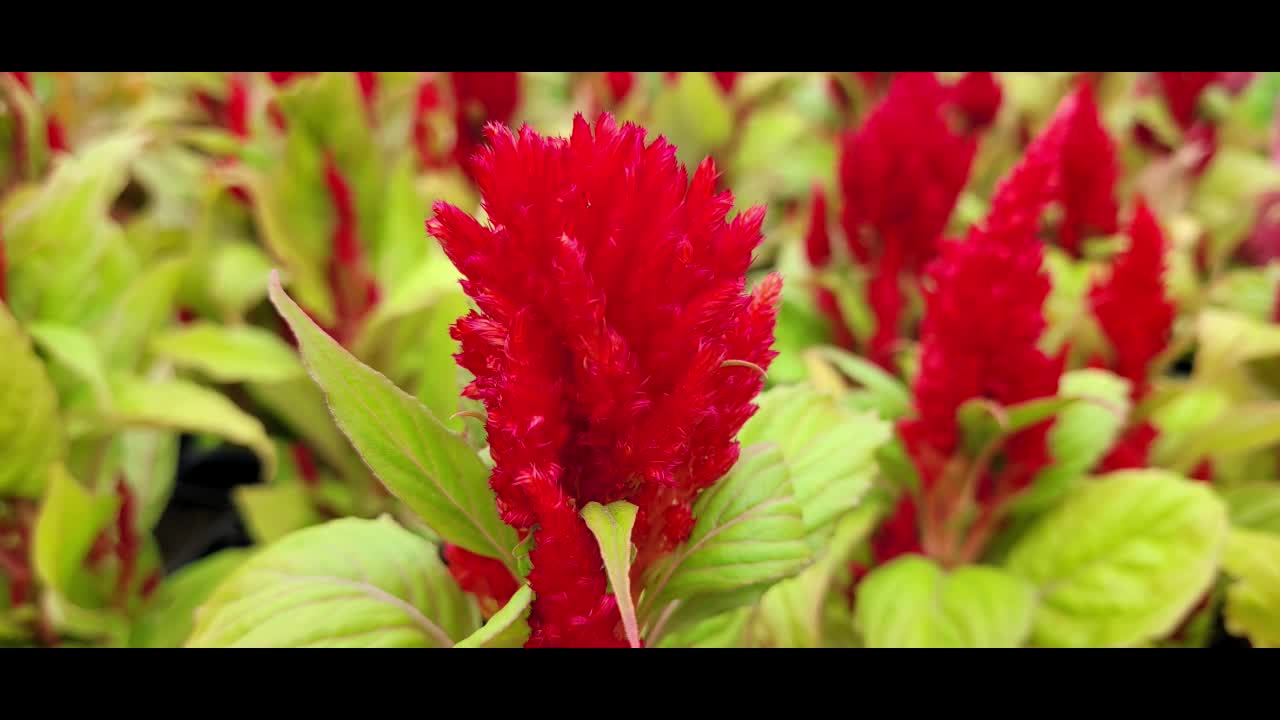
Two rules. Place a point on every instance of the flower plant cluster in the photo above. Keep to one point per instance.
(623, 360)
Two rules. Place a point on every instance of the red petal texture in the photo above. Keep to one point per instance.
(726, 80)
(1089, 171)
(901, 173)
(368, 82)
(982, 322)
(480, 98)
(1130, 303)
(427, 100)
(1131, 450)
(237, 107)
(620, 84)
(978, 96)
(355, 291)
(1182, 92)
(56, 136)
(817, 242)
(488, 579)
(611, 292)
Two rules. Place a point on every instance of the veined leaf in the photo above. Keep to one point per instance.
(170, 613)
(69, 520)
(347, 583)
(611, 527)
(1121, 560)
(29, 422)
(508, 628)
(1253, 600)
(418, 459)
(239, 353)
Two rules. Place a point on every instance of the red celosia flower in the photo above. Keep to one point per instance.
(237, 107)
(901, 174)
(368, 82)
(24, 79)
(620, 84)
(978, 96)
(817, 242)
(305, 463)
(982, 323)
(428, 99)
(488, 579)
(481, 97)
(355, 292)
(56, 136)
(1182, 92)
(283, 78)
(1131, 450)
(726, 80)
(610, 295)
(1131, 306)
(1088, 174)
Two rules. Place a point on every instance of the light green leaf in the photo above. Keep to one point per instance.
(792, 612)
(438, 385)
(749, 533)
(185, 406)
(76, 351)
(1184, 417)
(140, 312)
(347, 583)
(1121, 560)
(1081, 436)
(829, 451)
(508, 628)
(1248, 427)
(1254, 506)
(29, 425)
(272, 511)
(150, 464)
(912, 603)
(893, 399)
(611, 527)
(69, 520)
(238, 277)
(1228, 338)
(300, 405)
(169, 615)
(694, 115)
(418, 459)
(725, 630)
(1253, 600)
(240, 353)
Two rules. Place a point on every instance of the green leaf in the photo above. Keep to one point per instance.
(300, 405)
(1081, 436)
(1229, 338)
(418, 291)
(1121, 560)
(240, 353)
(1235, 178)
(1254, 506)
(75, 350)
(749, 533)
(429, 468)
(185, 406)
(170, 613)
(508, 628)
(912, 603)
(829, 451)
(1248, 427)
(29, 425)
(1253, 599)
(725, 630)
(238, 277)
(1185, 416)
(611, 527)
(272, 511)
(694, 116)
(893, 399)
(792, 612)
(142, 310)
(347, 583)
(69, 520)
(150, 464)
(438, 386)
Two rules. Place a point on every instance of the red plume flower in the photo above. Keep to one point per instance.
(978, 96)
(355, 291)
(611, 294)
(817, 242)
(1182, 92)
(901, 174)
(480, 98)
(726, 80)
(1089, 171)
(1137, 318)
(620, 84)
(488, 579)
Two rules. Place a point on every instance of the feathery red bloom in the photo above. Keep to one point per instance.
(24, 79)
(487, 579)
(428, 99)
(611, 294)
(368, 82)
(237, 105)
(726, 80)
(978, 96)
(900, 174)
(1130, 304)
(620, 84)
(284, 78)
(56, 136)
(1131, 450)
(817, 242)
(983, 320)
(480, 98)
(1182, 92)
(355, 291)
(1088, 174)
